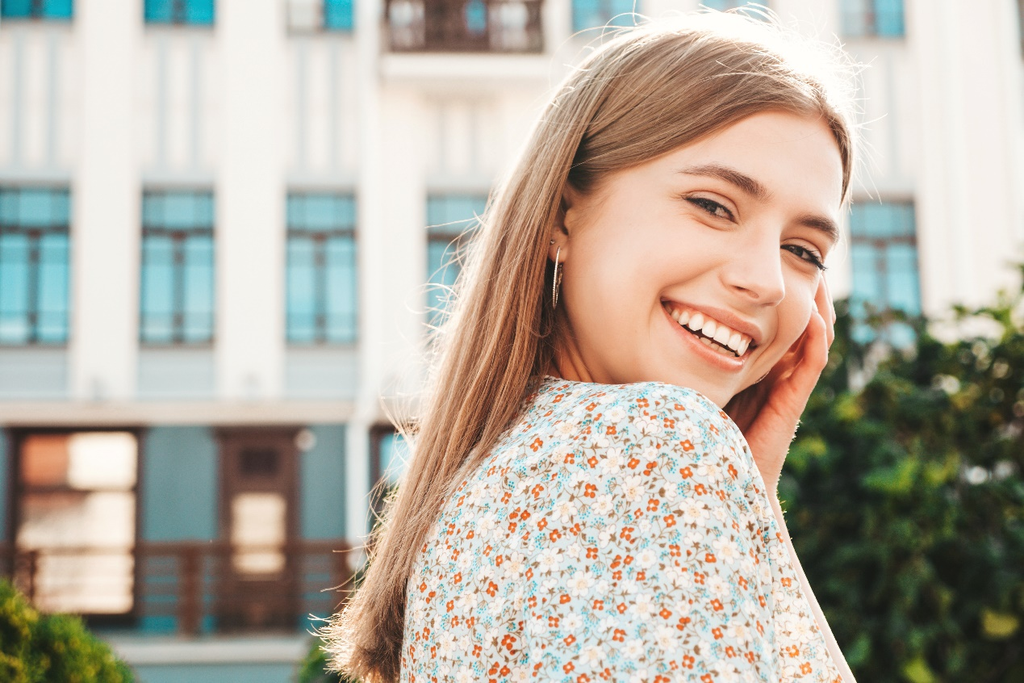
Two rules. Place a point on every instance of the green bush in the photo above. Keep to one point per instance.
(38, 648)
(313, 668)
(907, 504)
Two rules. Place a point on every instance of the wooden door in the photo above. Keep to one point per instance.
(259, 519)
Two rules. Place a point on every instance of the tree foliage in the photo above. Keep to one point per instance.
(906, 502)
(56, 648)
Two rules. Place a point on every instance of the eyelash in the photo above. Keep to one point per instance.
(711, 207)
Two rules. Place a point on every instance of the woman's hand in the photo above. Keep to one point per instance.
(768, 412)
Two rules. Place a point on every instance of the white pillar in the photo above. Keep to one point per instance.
(105, 206)
(249, 230)
(372, 194)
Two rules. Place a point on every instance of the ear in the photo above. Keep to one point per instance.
(564, 224)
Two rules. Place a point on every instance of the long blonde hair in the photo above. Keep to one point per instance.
(645, 92)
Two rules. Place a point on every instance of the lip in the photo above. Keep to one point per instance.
(711, 357)
(722, 316)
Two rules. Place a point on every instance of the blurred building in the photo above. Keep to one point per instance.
(214, 250)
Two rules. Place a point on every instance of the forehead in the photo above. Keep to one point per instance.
(794, 158)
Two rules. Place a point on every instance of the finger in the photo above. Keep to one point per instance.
(826, 308)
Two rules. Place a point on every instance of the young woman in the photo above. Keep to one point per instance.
(592, 494)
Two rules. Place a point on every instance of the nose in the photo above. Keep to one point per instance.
(754, 272)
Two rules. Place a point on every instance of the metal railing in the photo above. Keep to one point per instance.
(506, 26)
(187, 588)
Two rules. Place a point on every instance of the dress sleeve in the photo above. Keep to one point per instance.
(651, 565)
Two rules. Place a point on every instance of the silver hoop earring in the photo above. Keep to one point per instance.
(556, 280)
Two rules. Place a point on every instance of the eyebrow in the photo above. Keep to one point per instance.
(761, 193)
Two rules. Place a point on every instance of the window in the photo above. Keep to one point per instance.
(194, 12)
(36, 9)
(450, 220)
(595, 13)
(389, 458)
(314, 15)
(177, 268)
(885, 273)
(321, 296)
(75, 520)
(338, 15)
(34, 269)
(464, 25)
(863, 18)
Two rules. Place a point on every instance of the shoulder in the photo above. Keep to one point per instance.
(641, 408)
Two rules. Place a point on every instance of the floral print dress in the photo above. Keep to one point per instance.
(615, 533)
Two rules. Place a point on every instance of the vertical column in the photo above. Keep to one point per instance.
(372, 196)
(105, 206)
(250, 202)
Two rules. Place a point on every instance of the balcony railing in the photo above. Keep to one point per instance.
(189, 588)
(507, 26)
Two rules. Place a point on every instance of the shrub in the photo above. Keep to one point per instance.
(907, 504)
(37, 648)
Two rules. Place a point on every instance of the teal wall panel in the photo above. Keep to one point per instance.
(322, 482)
(179, 484)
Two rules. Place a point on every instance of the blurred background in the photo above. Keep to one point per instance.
(218, 221)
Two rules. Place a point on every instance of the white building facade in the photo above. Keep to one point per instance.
(214, 250)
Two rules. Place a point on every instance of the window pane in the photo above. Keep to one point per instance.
(14, 270)
(77, 509)
(595, 13)
(394, 456)
(57, 9)
(157, 324)
(341, 289)
(889, 18)
(16, 9)
(34, 276)
(301, 292)
(52, 306)
(903, 289)
(258, 532)
(867, 285)
(198, 284)
(338, 14)
(321, 279)
(199, 12)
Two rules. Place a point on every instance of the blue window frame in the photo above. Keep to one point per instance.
(34, 265)
(881, 18)
(322, 303)
(595, 13)
(36, 9)
(177, 293)
(451, 219)
(338, 15)
(883, 251)
(193, 12)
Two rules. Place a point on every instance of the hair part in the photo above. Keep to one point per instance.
(646, 92)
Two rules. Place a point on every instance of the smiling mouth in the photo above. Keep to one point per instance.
(712, 333)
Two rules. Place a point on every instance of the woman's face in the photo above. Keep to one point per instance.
(724, 235)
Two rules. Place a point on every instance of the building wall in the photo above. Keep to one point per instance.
(252, 110)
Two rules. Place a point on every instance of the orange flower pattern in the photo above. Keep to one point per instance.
(615, 533)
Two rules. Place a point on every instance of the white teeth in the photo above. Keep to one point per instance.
(696, 322)
(734, 341)
(709, 329)
(675, 315)
(742, 348)
(723, 335)
(706, 341)
(684, 317)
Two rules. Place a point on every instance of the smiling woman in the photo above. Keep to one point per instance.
(592, 487)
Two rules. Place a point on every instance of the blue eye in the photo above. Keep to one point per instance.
(712, 207)
(805, 254)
